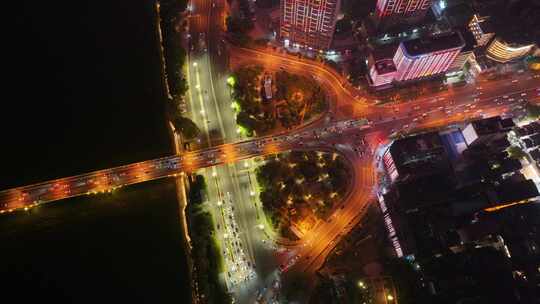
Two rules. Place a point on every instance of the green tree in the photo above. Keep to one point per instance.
(244, 120)
(308, 170)
(516, 152)
(186, 127)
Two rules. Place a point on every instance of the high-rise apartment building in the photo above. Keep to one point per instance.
(426, 57)
(402, 11)
(308, 23)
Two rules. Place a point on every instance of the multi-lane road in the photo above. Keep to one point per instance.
(231, 188)
(243, 233)
(112, 178)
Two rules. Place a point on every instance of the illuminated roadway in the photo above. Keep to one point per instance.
(109, 179)
(230, 189)
(436, 109)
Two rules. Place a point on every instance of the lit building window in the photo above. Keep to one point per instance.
(501, 51)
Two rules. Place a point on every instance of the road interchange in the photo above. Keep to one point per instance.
(436, 110)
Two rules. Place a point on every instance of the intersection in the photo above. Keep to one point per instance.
(226, 159)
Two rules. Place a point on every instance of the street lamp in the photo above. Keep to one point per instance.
(389, 297)
(195, 64)
(231, 81)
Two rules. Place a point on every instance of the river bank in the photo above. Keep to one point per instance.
(89, 95)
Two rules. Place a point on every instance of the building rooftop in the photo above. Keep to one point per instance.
(527, 130)
(419, 46)
(536, 139)
(420, 154)
(535, 154)
(492, 125)
(468, 37)
(385, 66)
(386, 51)
(510, 192)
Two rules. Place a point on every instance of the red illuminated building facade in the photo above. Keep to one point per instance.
(426, 57)
(308, 23)
(382, 69)
(415, 59)
(401, 11)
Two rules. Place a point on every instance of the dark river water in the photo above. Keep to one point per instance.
(82, 91)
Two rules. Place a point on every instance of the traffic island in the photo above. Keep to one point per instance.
(266, 102)
(298, 189)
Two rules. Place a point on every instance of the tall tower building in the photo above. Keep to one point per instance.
(426, 57)
(308, 23)
(392, 12)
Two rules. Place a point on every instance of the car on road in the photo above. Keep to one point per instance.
(202, 42)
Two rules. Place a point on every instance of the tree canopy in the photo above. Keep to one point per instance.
(186, 127)
(310, 181)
